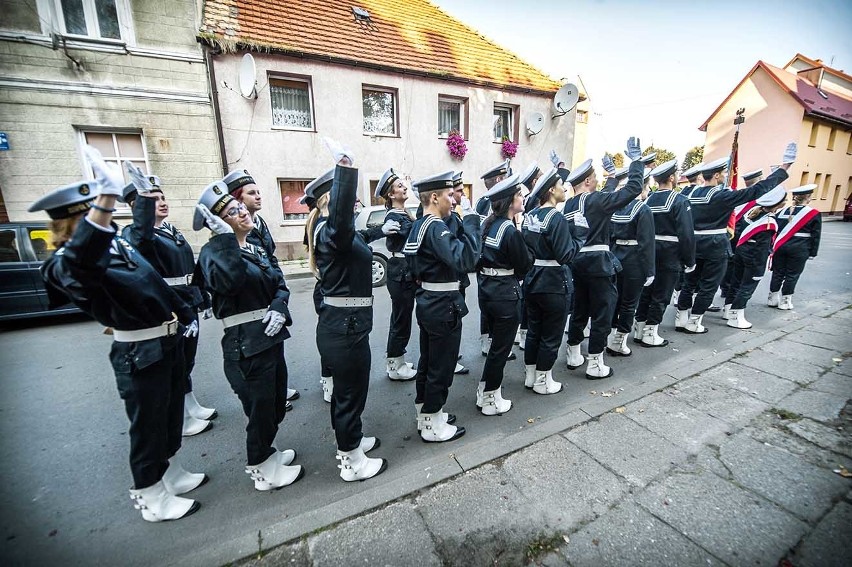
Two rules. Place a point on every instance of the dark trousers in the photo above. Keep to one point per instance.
(786, 269)
(502, 317)
(190, 347)
(348, 358)
(744, 281)
(594, 297)
(324, 368)
(153, 400)
(260, 382)
(656, 297)
(728, 278)
(547, 313)
(439, 350)
(402, 306)
(628, 284)
(704, 280)
(522, 307)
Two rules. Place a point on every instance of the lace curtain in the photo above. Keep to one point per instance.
(449, 117)
(291, 106)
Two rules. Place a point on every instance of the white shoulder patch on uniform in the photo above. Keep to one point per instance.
(443, 233)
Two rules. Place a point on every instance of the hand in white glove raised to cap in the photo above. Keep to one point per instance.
(466, 206)
(634, 148)
(109, 177)
(138, 178)
(554, 158)
(608, 165)
(391, 227)
(342, 155)
(216, 225)
(789, 154)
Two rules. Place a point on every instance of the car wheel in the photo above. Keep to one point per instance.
(380, 271)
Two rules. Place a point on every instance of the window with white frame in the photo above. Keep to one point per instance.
(116, 147)
(98, 19)
(504, 122)
(452, 116)
(292, 103)
(380, 110)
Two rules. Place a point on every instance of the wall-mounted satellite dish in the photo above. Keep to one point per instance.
(248, 72)
(535, 122)
(565, 99)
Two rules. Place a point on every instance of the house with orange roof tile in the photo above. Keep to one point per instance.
(804, 101)
(391, 79)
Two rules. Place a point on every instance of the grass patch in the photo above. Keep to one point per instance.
(786, 414)
(542, 545)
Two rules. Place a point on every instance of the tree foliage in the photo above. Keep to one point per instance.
(617, 159)
(663, 155)
(693, 157)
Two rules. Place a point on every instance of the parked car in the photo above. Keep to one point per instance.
(23, 248)
(370, 217)
(847, 212)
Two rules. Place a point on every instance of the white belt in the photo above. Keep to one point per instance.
(247, 317)
(547, 263)
(167, 329)
(179, 280)
(337, 301)
(496, 272)
(595, 248)
(666, 238)
(440, 286)
(802, 234)
(712, 231)
(627, 242)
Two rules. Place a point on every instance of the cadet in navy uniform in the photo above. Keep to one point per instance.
(110, 280)
(341, 259)
(799, 230)
(712, 205)
(436, 256)
(528, 179)
(504, 259)
(757, 230)
(547, 286)
(595, 266)
(633, 244)
(168, 252)
(250, 297)
(674, 253)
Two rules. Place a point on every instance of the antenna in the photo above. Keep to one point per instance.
(248, 72)
(565, 99)
(535, 122)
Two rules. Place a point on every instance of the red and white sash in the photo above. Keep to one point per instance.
(740, 210)
(766, 222)
(796, 223)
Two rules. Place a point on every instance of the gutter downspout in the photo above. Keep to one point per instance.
(217, 115)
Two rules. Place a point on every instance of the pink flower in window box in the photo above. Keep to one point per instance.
(456, 145)
(509, 148)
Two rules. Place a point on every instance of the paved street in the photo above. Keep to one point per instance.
(717, 450)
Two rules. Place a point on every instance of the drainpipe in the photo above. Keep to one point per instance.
(217, 115)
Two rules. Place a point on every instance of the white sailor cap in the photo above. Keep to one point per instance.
(649, 158)
(694, 171)
(155, 181)
(319, 187)
(772, 198)
(663, 171)
(435, 182)
(502, 169)
(68, 200)
(544, 183)
(752, 174)
(215, 197)
(504, 189)
(621, 173)
(580, 173)
(715, 166)
(237, 179)
(647, 174)
(457, 179)
(385, 183)
(529, 174)
(804, 189)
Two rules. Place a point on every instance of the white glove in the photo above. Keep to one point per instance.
(391, 227)
(208, 313)
(109, 177)
(191, 330)
(554, 158)
(275, 321)
(687, 269)
(634, 148)
(648, 281)
(215, 224)
(466, 207)
(789, 153)
(608, 165)
(339, 151)
(138, 178)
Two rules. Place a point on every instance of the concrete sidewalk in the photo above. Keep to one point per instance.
(739, 459)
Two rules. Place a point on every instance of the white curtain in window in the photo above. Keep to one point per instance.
(449, 117)
(291, 106)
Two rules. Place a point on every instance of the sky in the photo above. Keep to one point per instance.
(657, 69)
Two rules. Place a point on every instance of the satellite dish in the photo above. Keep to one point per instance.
(565, 99)
(248, 73)
(535, 122)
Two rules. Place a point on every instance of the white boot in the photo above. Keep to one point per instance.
(355, 465)
(484, 344)
(681, 320)
(195, 409)
(575, 357)
(694, 325)
(480, 389)
(292, 394)
(193, 426)
(179, 481)
(545, 384)
(618, 344)
(650, 337)
(275, 472)
(738, 320)
(774, 299)
(158, 504)
(449, 418)
(369, 443)
(529, 379)
(523, 342)
(726, 311)
(597, 369)
(435, 429)
(398, 369)
(327, 383)
(786, 302)
(638, 329)
(493, 402)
